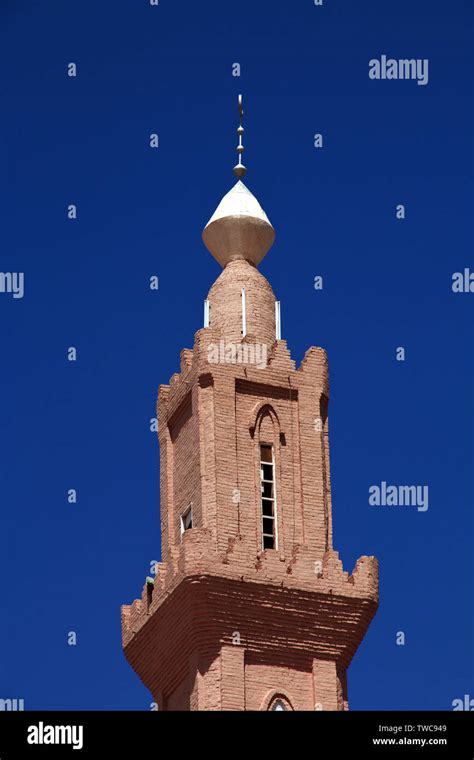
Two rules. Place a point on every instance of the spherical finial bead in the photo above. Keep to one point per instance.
(240, 170)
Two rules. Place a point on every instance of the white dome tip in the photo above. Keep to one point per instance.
(239, 228)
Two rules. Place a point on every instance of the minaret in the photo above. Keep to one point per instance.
(250, 608)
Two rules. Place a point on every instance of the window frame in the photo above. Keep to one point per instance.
(273, 499)
(275, 698)
(182, 525)
(278, 705)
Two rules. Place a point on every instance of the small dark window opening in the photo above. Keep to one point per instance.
(149, 594)
(278, 705)
(187, 520)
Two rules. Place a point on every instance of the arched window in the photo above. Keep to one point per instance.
(279, 704)
(265, 426)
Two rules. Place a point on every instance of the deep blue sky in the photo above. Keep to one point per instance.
(387, 283)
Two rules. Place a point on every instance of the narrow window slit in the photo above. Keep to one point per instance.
(268, 497)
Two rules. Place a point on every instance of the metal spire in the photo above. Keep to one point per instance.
(239, 169)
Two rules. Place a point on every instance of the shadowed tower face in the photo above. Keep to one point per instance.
(250, 608)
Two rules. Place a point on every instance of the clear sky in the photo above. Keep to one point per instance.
(140, 211)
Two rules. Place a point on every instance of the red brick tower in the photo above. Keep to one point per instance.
(250, 608)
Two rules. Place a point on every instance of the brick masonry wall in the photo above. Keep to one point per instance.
(225, 303)
(240, 680)
(298, 616)
(184, 435)
(263, 681)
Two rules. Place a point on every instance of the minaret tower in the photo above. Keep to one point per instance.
(250, 608)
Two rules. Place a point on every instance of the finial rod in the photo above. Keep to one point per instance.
(239, 169)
